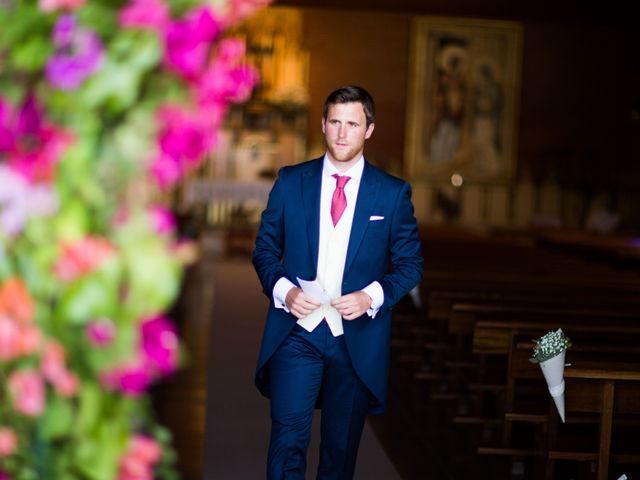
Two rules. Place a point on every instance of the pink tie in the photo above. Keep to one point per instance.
(339, 200)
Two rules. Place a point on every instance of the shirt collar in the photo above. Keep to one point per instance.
(355, 172)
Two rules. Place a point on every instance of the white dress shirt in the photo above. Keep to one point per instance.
(332, 250)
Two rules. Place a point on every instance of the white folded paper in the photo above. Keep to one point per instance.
(553, 371)
(313, 289)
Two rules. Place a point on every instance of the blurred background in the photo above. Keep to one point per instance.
(568, 183)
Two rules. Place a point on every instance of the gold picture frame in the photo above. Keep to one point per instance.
(462, 101)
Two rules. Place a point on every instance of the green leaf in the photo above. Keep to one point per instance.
(87, 299)
(115, 88)
(58, 418)
(153, 278)
(72, 221)
(89, 405)
(32, 54)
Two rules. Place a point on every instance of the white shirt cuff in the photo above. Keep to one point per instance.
(280, 290)
(374, 290)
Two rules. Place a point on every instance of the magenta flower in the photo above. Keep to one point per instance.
(159, 344)
(79, 54)
(227, 78)
(166, 171)
(163, 220)
(132, 379)
(146, 14)
(7, 136)
(188, 42)
(31, 146)
(101, 332)
(184, 139)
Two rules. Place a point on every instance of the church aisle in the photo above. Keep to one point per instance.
(237, 427)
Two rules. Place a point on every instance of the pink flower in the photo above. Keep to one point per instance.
(163, 220)
(146, 14)
(145, 448)
(188, 41)
(66, 384)
(52, 5)
(54, 369)
(159, 344)
(27, 391)
(239, 10)
(101, 332)
(142, 454)
(9, 333)
(82, 256)
(30, 340)
(8, 442)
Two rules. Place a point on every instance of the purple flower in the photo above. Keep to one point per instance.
(159, 344)
(79, 54)
(63, 31)
(188, 41)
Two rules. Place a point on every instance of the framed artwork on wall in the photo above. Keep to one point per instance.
(462, 100)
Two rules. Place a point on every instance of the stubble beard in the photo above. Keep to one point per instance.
(344, 155)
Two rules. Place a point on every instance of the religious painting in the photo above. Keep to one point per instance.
(462, 102)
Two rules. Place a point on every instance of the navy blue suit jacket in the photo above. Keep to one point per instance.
(387, 251)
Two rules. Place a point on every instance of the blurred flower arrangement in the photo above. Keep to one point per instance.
(102, 106)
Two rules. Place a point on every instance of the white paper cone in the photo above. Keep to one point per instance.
(553, 371)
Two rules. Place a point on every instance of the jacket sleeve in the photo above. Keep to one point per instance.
(405, 251)
(269, 245)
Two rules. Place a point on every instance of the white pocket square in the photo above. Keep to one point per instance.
(374, 218)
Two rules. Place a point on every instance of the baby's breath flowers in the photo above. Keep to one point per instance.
(550, 345)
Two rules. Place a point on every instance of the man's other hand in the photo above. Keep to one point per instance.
(353, 305)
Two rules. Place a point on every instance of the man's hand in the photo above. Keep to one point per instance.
(300, 304)
(353, 305)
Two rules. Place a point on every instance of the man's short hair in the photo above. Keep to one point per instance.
(351, 94)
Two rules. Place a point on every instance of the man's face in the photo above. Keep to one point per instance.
(345, 130)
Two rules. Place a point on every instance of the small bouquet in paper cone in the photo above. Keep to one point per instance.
(549, 352)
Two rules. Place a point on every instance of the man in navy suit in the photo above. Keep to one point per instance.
(348, 227)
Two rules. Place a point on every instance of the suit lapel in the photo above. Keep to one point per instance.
(367, 195)
(311, 182)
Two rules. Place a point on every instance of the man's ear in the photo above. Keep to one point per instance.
(323, 122)
(369, 130)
